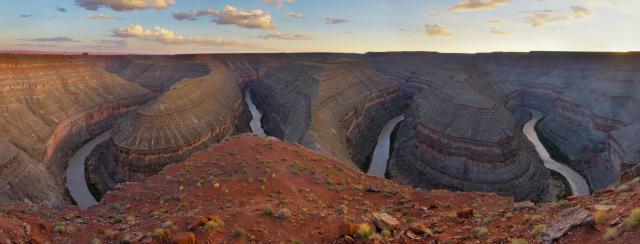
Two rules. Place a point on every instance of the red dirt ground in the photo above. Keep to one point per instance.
(241, 185)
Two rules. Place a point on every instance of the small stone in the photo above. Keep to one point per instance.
(412, 235)
(196, 222)
(374, 188)
(465, 213)
(131, 237)
(385, 221)
(184, 238)
(348, 239)
(420, 229)
(283, 214)
(604, 207)
(526, 205)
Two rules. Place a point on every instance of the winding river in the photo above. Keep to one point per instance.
(256, 115)
(76, 181)
(578, 184)
(380, 156)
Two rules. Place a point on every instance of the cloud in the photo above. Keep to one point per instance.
(102, 17)
(437, 30)
(474, 5)
(60, 9)
(229, 15)
(125, 5)
(164, 36)
(546, 17)
(334, 20)
(54, 39)
(580, 12)
(277, 3)
(26, 15)
(295, 15)
(497, 31)
(285, 36)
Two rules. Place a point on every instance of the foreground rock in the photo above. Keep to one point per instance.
(566, 221)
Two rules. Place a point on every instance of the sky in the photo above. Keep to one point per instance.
(218, 26)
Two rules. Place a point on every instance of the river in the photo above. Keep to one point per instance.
(256, 115)
(76, 181)
(578, 184)
(381, 153)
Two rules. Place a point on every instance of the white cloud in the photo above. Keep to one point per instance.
(474, 5)
(125, 5)
(437, 30)
(102, 17)
(497, 31)
(285, 36)
(547, 17)
(295, 15)
(164, 36)
(229, 15)
(277, 3)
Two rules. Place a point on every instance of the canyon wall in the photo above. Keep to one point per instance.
(184, 119)
(336, 106)
(591, 101)
(48, 106)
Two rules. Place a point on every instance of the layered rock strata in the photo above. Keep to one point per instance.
(458, 138)
(191, 114)
(336, 106)
(49, 105)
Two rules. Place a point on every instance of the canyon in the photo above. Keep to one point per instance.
(462, 130)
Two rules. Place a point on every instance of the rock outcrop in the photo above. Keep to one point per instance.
(49, 105)
(336, 106)
(459, 135)
(182, 120)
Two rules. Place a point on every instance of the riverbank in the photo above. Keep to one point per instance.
(578, 184)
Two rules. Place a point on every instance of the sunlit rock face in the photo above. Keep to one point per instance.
(336, 106)
(50, 104)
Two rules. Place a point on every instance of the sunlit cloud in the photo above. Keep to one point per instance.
(334, 20)
(295, 15)
(102, 17)
(125, 5)
(53, 39)
(547, 17)
(164, 36)
(229, 15)
(277, 3)
(285, 36)
(475, 5)
(437, 30)
(497, 31)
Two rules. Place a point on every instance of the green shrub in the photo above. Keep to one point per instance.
(267, 211)
(238, 232)
(632, 220)
(537, 230)
(611, 233)
(480, 232)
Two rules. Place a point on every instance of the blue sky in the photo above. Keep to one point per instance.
(151, 26)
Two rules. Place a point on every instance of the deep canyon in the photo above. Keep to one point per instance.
(462, 131)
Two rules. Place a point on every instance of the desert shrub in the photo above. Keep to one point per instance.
(365, 231)
(537, 230)
(267, 211)
(611, 233)
(519, 241)
(238, 232)
(480, 232)
(632, 220)
(564, 203)
(601, 216)
(161, 234)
